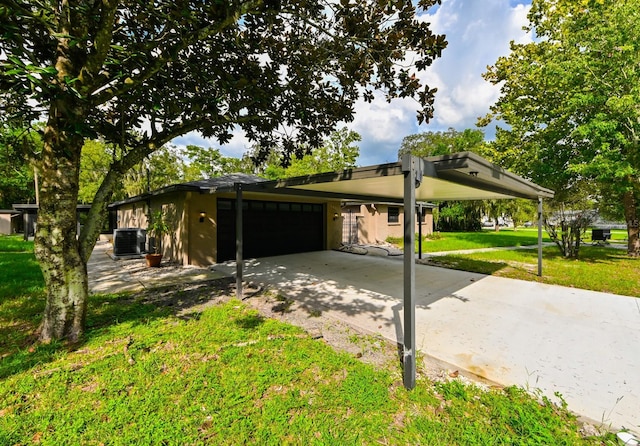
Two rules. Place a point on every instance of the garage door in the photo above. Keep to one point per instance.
(270, 228)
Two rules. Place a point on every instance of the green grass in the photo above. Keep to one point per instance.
(598, 268)
(229, 376)
(489, 238)
(454, 241)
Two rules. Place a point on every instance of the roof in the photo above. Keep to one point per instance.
(205, 186)
(458, 176)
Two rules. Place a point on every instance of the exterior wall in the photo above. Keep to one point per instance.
(174, 243)
(373, 224)
(133, 215)
(6, 223)
(333, 223)
(201, 235)
(194, 242)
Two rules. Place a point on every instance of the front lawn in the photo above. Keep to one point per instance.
(599, 268)
(147, 373)
(487, 238)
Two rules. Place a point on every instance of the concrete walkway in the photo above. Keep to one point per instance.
(583, 344)
(114, 276)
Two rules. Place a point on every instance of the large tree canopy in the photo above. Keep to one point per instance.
(139, 73)
(572, 101)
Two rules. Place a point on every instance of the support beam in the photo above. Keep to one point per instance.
(539, 236)
(239, 241)
(412, 177)
(420, 231)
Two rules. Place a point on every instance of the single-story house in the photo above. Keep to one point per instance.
(370, 223)
(307, 213)
(241, 216)
(201, 215)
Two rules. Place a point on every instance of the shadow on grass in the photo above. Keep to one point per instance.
(463, 263)
(21, 315)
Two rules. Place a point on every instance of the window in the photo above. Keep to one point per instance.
(393, 215)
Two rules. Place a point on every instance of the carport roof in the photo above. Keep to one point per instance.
(459, 176)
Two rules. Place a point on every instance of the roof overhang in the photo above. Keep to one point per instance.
(459, 176)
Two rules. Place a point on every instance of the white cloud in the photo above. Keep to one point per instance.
(238, 145)
(478, 33)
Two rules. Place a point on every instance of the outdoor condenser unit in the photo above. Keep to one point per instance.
(129, 241)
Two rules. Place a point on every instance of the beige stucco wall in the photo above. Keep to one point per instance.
(373, 224)
(192, 242)
(5, 224)
(133, 215)
(201, 235)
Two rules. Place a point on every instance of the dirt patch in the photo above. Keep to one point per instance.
(189, 299)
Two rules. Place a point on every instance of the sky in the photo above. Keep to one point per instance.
(478, 32)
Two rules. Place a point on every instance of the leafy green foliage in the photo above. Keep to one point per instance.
(337, 152)
(137, 74)
(18, 147)
(210, 163)
(571, 102)
(443, 143)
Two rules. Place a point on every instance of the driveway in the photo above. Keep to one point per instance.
(583, 344)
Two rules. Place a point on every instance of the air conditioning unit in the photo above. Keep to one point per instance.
(129, 241)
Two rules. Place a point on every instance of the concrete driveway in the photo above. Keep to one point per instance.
(583, 344)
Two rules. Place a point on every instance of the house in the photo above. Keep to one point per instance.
(244, 216)
(28, 213)
(202, 216)
(371, 223)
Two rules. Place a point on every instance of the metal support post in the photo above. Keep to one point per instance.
(239, 240)
(539, 236)
(420, 231)
(411, 181)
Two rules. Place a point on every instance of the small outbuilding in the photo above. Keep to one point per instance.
(9, 221)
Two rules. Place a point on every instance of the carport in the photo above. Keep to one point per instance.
(458, 176)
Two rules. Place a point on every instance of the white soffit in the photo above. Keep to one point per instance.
(392, 187)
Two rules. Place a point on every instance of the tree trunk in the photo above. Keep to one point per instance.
(56, 243)
(633, 225)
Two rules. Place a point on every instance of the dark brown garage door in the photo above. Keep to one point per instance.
(270, 228)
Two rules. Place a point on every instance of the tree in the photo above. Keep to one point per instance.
(95, 161)
(337, 152)
(452, 215)
(138, 74)
(210, 163)
(495, 209)
(18, 147)
(520, 211)
(571, 100)
(162, 168)
(443, 143)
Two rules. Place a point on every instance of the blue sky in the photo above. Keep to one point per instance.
(478, 32)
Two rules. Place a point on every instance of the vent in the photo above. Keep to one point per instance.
(129, 241)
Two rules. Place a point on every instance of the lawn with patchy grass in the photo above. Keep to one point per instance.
(454, 241)
(598, 268)
(226, 375)
(489, 238)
